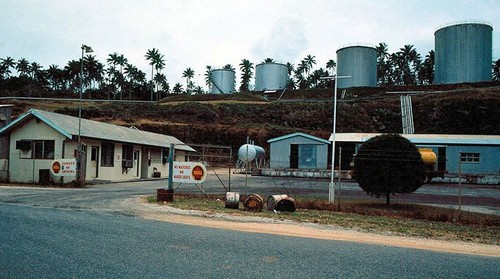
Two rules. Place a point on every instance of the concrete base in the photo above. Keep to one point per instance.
(305, 173)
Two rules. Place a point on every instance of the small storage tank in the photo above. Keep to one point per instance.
(271, 76)
(223, 81)
(360, 63)
(463, 53)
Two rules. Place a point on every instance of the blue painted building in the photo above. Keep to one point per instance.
(298, 151)
(475, 155)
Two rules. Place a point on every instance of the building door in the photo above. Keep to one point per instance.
(294, 156)
(307, 156)
(94, 162)
(145, 162)
(136, 163)
(441, 163)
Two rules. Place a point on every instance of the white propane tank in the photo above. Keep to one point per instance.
(247, 153)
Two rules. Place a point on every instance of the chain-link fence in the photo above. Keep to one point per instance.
(453, 193)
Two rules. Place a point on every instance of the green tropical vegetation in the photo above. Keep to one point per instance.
(246, 68)
(119, 79)
(389, 164)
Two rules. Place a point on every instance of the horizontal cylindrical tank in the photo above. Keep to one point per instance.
(463, 53)
(249, 152)
(428, 156)
(359, 62)
(222, 81)
(271, 76)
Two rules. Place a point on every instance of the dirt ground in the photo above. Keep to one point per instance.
(308, 230)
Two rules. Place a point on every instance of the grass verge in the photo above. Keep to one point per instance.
(398, 219)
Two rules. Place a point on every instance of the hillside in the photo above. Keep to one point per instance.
(230, 119)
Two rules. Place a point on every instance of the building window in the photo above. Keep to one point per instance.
(127, 156)
(36, 149)
(470, 158)
(107, 154)
(155, 155)
(164, 155)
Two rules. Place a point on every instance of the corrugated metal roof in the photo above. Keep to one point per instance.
(425, 138)
(68, 126)
(297, 135)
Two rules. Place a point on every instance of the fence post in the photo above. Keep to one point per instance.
(459, 184)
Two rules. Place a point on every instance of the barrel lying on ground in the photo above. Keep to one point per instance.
(281, 203)
(253, 202)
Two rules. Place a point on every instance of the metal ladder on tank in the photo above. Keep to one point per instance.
(407, 114)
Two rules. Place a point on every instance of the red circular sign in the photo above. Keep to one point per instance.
(56, 167)
(197, 173)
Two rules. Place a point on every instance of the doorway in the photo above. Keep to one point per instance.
(94, 162)
(441, 163)
(294, 156)
(136, 163)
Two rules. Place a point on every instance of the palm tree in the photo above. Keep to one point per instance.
(331, 65)
(161, 80)
(208, 77)
(6, 64)
(290, 70)
(130, 70)
(53, 74)
(188, 74)
(177, 88)
(228, 67)
(496, 70)
(112, 73)
(151, 55)
(316, 76)
(299, 76)
(34, 68)
(409, 64)
(120, 60)
(94, 70)
(383, 66)
(157, 61)
(246, 68)
(310, 60)
(426, 72)
(268, 60)
(72, 72)
(23, 67)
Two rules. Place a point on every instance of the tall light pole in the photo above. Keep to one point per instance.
(85, 49)
(331, 189)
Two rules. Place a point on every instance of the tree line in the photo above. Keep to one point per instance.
(119, 79)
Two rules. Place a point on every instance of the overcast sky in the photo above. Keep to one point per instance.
(196, 33)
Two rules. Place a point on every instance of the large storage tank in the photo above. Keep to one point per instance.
(271, 76)
(360, 63)
(463, 53)
(223, 81)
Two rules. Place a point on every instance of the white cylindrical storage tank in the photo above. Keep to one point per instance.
(222, 81)
(271, 76)
(360, 63)
(463, 53)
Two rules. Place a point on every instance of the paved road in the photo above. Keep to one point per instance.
(43, 241)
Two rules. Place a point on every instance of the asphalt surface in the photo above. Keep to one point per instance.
(98, 232)
(58, 242)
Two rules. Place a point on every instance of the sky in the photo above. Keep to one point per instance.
(197, 33)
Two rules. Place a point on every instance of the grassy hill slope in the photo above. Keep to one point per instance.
(230, 119)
